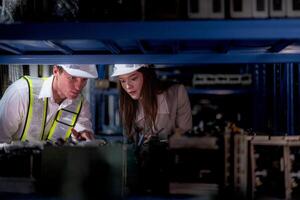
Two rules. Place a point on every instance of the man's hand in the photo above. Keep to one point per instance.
(83, 135)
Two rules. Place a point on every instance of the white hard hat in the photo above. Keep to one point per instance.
(84, 71)
(121, 69)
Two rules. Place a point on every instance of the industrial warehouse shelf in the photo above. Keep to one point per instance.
(171, 43)
(158, 42)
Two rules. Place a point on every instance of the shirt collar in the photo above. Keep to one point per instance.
(46, 92)
(162, 104)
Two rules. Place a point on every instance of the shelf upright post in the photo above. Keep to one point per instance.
(279, 95)
(290, 98)
(275, 121)
(260, 97)
(101, 71)
(94, 97)
(297, 97)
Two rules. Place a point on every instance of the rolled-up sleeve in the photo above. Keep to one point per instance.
(12, 112)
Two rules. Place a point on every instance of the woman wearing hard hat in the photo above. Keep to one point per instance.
(48, 109)
(150, 112)
(148, 105)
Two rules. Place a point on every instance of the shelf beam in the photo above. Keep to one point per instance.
(204, 58)
(10, 49)
(251, 29)
(111, 46)
(59, 47)
(280, 45)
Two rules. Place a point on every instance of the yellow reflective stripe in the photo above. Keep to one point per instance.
(68, 133)
(57, 118)
(74, 119)
(53, 127)
(44, 136)
(30, 108)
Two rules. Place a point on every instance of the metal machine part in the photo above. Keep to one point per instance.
(87, 170)
(267, 166)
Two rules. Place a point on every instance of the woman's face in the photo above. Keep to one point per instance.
(132, 83)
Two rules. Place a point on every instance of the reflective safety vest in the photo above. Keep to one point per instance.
(65, 119)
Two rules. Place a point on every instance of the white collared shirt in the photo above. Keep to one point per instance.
(14, 105)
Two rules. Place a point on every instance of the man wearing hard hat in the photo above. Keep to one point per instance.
(48, 109)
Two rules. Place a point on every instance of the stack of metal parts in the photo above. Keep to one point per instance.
(87, 170)
(202, 166)
(197, 165)
(18, 166)
(267, 166)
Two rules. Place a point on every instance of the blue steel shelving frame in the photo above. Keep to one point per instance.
(261, 41)
(280, 33)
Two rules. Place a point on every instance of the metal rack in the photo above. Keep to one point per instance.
(169, 42)
(249, 41)
(260, 160)
(272, 43)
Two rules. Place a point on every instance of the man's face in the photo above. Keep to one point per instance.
(68, 86)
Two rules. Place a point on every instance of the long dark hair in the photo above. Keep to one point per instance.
(129, 107)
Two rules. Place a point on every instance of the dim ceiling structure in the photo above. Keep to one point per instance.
(158, 42)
